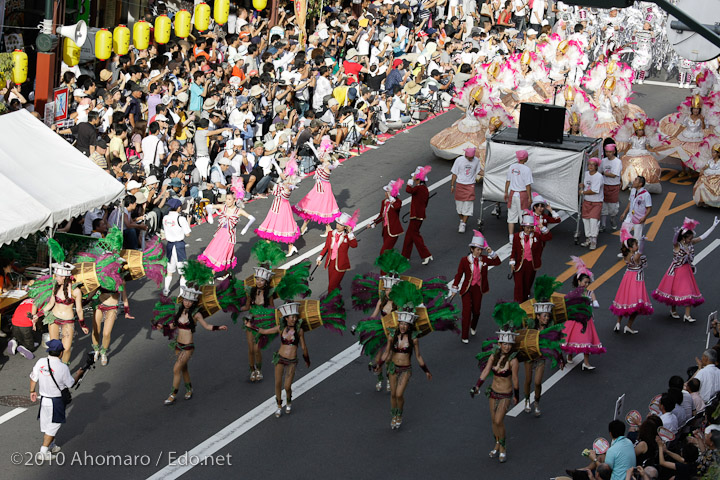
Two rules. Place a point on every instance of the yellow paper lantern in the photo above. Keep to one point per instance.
(70, 52)
(163, 27)
(121, 40)
(221, 11)
(182, 24)
(20, 67)
(141, 35)
(103, 44)
(259, 4)
(202, 17)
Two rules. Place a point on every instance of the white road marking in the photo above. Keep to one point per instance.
(662, 84)
(11, 414)
(547, 384)
(266, 409)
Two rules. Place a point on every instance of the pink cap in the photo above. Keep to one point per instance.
(521, 154)
(611, 147)
(470, 152)
(594, 160)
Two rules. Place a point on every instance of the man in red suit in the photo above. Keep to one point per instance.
(417, 187)
(526, 256)
(389, 215)
(337, 244)
(471, 282)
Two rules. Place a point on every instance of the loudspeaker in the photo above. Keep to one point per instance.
(77, 33)
(541, 123)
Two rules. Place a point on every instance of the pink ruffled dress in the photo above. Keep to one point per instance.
(577, 341)
(220, 252)
(279, 224)
(678, 286)
(319, 205)
(632, 297)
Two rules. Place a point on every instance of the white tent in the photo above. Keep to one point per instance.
(44, 180)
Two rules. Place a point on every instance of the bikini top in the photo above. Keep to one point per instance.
(503, 373)
(398, 349)
(184, 326)
(64, 301)
(286, 339)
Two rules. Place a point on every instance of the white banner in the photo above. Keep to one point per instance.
(556, 174)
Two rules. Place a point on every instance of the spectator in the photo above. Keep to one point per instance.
(708, 374)
(620, 457)
(693, 387)
(85, 133)
(23, 331)
(667, 405)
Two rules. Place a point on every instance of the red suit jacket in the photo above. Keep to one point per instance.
(538, 243)
(420, 195)
(466, 268)
(394, 227)
(342, 261)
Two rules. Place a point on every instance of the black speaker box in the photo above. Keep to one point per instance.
(541, 123)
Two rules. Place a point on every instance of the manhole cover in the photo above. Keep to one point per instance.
(16, 401)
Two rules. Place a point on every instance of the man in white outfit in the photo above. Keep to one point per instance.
(176, 228)
(638, 208)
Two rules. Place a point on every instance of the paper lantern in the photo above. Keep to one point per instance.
(163, 27)
(259, 4)
(221, 11)
(20, 67)
(202, 16)
(141, 35)
(103, 44)
(70, 52)
(121, 40)
(182, 24)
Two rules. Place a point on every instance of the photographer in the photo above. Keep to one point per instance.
(310, 135)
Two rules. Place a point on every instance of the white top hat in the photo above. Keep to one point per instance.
(527, 221)
(537, 199)
(343, 219)
(63, 269)
(290, 308)
(506, 336)
(189, 293)
(264, 273)
(389, 281)
(478, 240)
(389, 186)
(543, 307)
(406, 317)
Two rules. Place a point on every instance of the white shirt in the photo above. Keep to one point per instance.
(594, 183)
(537, 14)
(153, 150)
(176, 227)
(520, 176)
(465, 170)
(516, 4)
(397, 107)
(709, 377)
(41, 375)
(669, 421)
(639, 201)
(323, 87)
(613, 166)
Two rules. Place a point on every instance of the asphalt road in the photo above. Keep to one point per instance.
(339, 427)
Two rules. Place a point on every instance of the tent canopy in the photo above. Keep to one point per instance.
(44, 179)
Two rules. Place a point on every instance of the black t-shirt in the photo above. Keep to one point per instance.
(373, 81)
(303, 138)
(86, 135)
(684, 471)
(135, 109)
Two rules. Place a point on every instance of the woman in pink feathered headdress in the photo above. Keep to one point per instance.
(678, 286)
(632, 298)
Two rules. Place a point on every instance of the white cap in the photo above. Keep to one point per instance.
(63, 269)
(532, 31)
(291, 308)
(161, 118)
(506, 336)
(389, 280)
(264, 273)
(543, 307)
(189, 293)
(406, 317)
(132, 185)
(151, 180)
(223, 161)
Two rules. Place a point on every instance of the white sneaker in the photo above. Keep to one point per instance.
(278, 412)
(166, 293)
(11, 348)
(288, 408)
(465, 340)
(54, 448)
(461, 227)
(472, 332)
(44, 457)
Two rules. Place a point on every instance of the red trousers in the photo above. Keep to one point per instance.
(388, 241)
(413, 237)
(524, 279)
(334, 277)
(471, 303)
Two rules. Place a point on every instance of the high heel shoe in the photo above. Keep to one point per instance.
(292, 251)
(303, 230)
(278, 411)
(494, 452)
(428, 260)
(674, 314)
(378, 386)
(170, 400)
(503, 457)
(689, 319)
(585, 366)
(617, 328)
(527, 406)
(188, 395)
(630, 331)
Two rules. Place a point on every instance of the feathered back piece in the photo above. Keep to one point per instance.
(292, 286)
(109, 271)
(163, 315)
(365, 291)
(392, 261)
(689, 224)
(581, 268)
(268, 254)
(406, 296)
(397, 184)
(198, 274)
(231, 296)
(545, 286)
(509, 315)
(56, 250)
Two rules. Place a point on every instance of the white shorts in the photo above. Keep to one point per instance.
(46, 413)
(515, 211)
(464, 207)
(173, 264)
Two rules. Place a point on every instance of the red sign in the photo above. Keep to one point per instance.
(61, 104)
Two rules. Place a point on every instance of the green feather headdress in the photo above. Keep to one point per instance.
(292, 286)
(509, 315)
(113, 241)
(197, 274)
(268, 254)
(392, 261)
(56, 250)
(545, 286)
(406, 296)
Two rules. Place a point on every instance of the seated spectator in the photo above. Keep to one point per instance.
(99, 228)
(693, 387)
(120, 217)
(708, 374)
(667, 405)
(23, 331)
(684, 465)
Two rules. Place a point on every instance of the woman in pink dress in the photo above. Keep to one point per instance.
(279, 224)
(580, 333)
(319, 204)
(631, 299)
(220, 252)
(678, 286)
